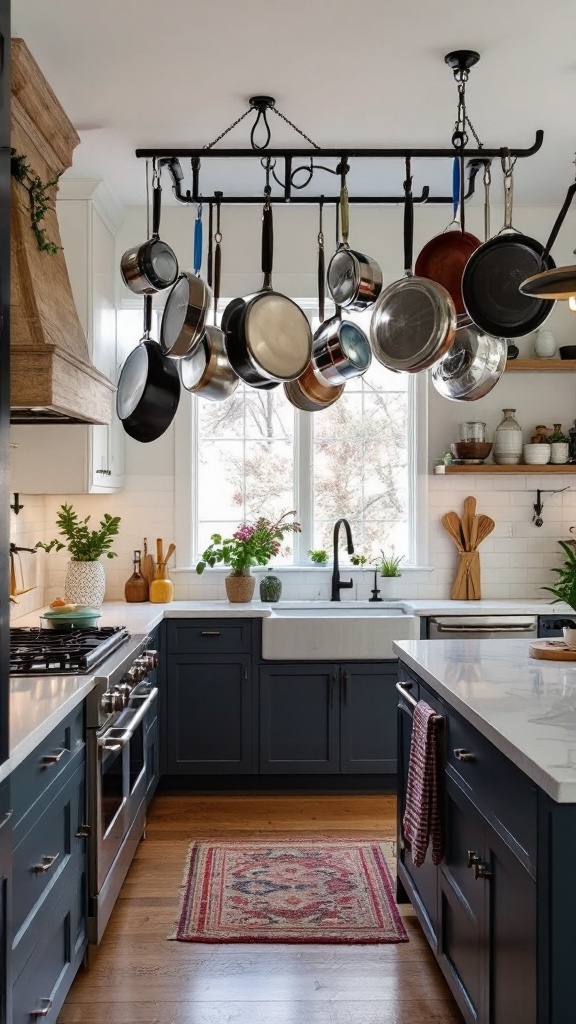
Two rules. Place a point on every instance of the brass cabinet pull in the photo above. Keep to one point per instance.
(50, 759)
(464, 755)
(46, 864)
(44, 1011)
(209, 632)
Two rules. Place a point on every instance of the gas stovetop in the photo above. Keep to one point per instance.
(56, 652)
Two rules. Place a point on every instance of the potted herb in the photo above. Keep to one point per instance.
(358, 560)
(85, 582)
(565, 589)
(559, 450)
(389, 567)
(318, 556)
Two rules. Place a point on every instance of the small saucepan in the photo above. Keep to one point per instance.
(354, 280)
(472, 366)
(268, 337)
(341, 351)
(152, 266)
(309, 394)
(148, 388)
(207, 372)
(187, 305)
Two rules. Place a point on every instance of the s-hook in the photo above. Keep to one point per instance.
(537, 517)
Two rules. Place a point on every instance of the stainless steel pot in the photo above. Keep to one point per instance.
(152, 266)
(341, 351)
(310, 394)
(354, 280)
(472, 366)
(187, 306)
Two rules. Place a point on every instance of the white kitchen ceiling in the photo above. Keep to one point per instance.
(137, 73)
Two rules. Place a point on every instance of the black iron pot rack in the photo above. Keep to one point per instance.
(309, 160)
(476, 158)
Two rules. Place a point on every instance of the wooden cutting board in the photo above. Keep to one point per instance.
(551, 650)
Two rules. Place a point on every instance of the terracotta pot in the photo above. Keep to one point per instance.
(240, 589)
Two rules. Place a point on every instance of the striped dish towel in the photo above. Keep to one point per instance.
(421, 822)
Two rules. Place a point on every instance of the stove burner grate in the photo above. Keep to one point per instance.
(35, 651)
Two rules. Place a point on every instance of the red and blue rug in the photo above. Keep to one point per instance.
(310, 889)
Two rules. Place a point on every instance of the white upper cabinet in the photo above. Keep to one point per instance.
(76, 459)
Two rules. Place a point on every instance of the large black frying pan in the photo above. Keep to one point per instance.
(494, 273)
(268, 338)
(148, 388)
(559, 283)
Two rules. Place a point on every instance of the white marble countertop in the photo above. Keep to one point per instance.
(526, 708)
(485, 607)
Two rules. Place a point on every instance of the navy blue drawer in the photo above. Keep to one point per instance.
(45, 980)
(502, 793)
(42, 773)
(202, 636)
(47, 855)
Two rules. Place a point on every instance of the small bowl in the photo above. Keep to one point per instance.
(567, 351)
(536, 454)
(476, 450)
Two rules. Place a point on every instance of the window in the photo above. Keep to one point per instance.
(256, 455)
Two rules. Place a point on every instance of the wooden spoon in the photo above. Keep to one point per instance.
(169, 553)
(467, 517)
(159, 546)
(452, 525)
(485, 526)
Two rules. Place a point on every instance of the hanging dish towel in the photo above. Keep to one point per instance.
(421, 823)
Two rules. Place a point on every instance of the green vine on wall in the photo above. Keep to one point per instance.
(39, 202)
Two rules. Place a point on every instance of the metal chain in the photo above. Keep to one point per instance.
(225, 132)
(295, 127)
(474, 132)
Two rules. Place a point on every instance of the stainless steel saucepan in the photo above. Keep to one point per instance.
(187, 305)
(354, 280)
(152, 266)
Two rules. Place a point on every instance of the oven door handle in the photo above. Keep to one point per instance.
(111, 741)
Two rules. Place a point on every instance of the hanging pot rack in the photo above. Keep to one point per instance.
(305, 163)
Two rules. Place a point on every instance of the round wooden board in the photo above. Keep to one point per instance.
(551, 650)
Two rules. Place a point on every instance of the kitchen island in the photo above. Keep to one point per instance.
(499, 909)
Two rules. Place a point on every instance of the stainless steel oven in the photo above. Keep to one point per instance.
(483, 627)
(117, 774)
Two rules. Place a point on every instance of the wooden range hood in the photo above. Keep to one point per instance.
(52, 379)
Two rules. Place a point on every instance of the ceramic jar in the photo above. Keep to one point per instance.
(569, 634)
(270, 588)
(85, 583)
(559, 451)
(507, 450)
(545, 345)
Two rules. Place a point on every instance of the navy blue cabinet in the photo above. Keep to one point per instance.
(5, 903)
(325, 718)
(209, 705)
(479, 906)
(49, 933)
(299, 717)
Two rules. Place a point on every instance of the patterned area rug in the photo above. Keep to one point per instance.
(310, 889)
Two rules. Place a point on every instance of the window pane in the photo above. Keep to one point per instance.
(245, 462)
(361, 464)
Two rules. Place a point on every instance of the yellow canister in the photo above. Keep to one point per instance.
(161, 588)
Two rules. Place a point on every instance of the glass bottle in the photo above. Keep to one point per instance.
(507, 448)
(136, 588)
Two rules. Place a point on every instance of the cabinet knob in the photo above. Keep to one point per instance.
(472, 858)
(482, 870)
(464, 755)
(46, 864)
(45, 1009)
(83, 832)
(50, 759)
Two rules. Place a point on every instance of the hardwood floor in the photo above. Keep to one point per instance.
(136, 976)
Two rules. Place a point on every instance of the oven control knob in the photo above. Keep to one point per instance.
(112, 702)
(134, 674)
(125, 689)
(152, 658)
(142, 667)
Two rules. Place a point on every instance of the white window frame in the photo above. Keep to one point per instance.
(186, 479)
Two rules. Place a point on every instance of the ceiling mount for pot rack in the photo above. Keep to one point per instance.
(300, 165)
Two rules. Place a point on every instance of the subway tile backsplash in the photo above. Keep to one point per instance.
(515, 559)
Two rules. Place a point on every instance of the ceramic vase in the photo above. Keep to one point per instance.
(240, 589)
(270, 588)
(545, 344)
(85, 583)
(390, 587)
(559, 452)
(507, 450)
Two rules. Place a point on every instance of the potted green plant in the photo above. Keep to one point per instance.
(389, 568)
(558, 445)
(358, 560)
(318, 555)
(251, 544)
(565, 589)
(85, 582)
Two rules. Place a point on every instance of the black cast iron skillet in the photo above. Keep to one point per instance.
(494, 273)
(149, 387)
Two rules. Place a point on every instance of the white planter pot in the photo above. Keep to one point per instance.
(390, 587)
(569, 634)
(85, 583)
(559, 452)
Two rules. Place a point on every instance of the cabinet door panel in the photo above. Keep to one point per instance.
(299, 719)
(512, 937)
(209, 709)
(368, 718)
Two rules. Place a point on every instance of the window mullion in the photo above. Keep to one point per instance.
(304, 483)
